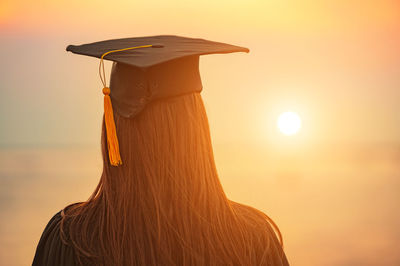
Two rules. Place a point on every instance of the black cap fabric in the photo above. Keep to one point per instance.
(165, 48)
(170, 67)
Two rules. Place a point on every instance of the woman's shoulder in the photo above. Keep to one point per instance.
(252, 216)
(52, 249)
(263, 232)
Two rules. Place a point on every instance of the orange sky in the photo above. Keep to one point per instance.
(334, 62)
(298, 16)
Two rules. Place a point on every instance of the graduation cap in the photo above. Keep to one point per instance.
(146, 69)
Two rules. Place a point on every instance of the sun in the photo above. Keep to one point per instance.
(289, 123)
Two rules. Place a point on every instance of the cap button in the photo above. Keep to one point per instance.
(157, 45)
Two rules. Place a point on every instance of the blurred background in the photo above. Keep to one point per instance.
(332, 186)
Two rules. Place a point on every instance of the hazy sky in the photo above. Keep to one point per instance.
(336, 63)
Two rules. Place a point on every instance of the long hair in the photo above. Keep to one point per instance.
(165, 204)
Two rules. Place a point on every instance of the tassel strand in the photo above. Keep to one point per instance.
(112, 139)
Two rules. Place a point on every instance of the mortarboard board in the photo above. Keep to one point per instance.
(146, 69)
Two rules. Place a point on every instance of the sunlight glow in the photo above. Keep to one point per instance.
(289, 123)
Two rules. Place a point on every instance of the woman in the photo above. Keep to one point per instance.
(164, 205)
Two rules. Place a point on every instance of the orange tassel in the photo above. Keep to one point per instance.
(112, 139)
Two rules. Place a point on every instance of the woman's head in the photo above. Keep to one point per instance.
(166, 145)
(165, 204)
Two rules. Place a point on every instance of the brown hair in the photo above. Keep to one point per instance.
(165, 204)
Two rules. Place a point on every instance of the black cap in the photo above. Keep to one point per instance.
(168, 67)
(146, 69)
(165, 48)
